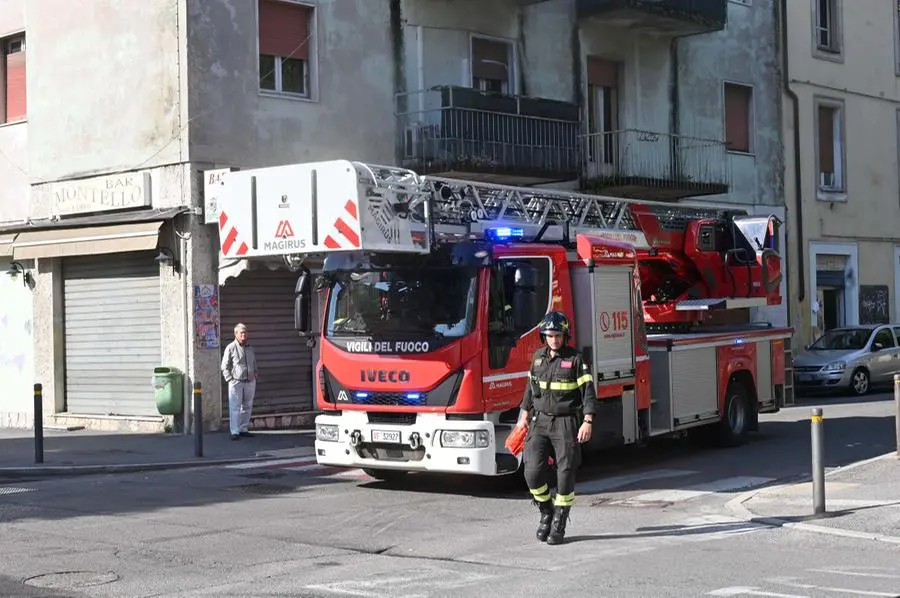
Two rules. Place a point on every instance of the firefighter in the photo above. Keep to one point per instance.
(557, 409)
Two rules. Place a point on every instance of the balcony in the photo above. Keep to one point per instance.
(464, 133)
(671, 17)
(647, 165)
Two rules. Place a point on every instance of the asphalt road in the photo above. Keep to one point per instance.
(648, 523)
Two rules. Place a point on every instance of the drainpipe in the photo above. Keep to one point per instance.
(798, 178)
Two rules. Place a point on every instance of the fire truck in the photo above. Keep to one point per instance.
(433, 288)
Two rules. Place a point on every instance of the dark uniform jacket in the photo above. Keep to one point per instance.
(562, 385)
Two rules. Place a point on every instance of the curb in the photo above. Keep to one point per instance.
(40, 472)
(737, 507)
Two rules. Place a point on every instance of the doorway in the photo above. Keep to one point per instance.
(831, 308)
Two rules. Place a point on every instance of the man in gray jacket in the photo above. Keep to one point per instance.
(240, 371)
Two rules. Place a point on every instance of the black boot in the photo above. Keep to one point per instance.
(543, 529)
(558, 525)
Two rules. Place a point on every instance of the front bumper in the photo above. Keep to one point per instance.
(822, 380)
(419, 447)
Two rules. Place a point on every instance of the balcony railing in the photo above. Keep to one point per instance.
(646, 164)
(666, 16)
(447, 130)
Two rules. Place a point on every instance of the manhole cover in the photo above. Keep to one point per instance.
(11, 490)
(71, 580)
(261, 488)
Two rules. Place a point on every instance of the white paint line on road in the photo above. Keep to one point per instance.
(716, 486)
(750, 591)
(605, 484)
(852, 572)
(8, 490)
(847, 503)
(272, 463)
(792, 582)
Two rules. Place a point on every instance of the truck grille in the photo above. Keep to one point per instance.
(389, 399)
(397, 419)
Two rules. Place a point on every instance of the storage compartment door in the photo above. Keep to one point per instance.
(613, 333)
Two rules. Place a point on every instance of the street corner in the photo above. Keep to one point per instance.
(860, 502)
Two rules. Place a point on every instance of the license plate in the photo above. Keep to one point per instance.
(392, 436)
(804, 377)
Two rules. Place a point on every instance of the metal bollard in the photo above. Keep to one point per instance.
(38, 423)
(817, 428)
(897, 406)
(198, 420)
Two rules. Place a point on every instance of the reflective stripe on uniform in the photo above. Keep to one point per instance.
(541, 494)
(566, 385)
(565, 500)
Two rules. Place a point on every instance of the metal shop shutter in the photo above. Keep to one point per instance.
(113, 337)
(264, 301)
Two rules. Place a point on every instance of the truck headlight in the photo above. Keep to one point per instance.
(836, 366)
(465, 439)
(327, 432)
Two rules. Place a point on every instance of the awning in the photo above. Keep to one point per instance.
(91, 240)
(6, 245)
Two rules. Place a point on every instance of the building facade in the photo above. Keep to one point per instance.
(114, 241)
(842, 111)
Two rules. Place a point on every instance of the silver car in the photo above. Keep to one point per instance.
(853, 358)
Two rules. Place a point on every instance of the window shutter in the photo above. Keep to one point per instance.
(284, 29)
(737, 118)
(493, 51)
(603, 73)
(15, 86)
(826, 138)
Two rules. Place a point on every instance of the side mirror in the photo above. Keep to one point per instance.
(525, 300)
(302, 304)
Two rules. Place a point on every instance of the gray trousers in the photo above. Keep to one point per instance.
(240, 405)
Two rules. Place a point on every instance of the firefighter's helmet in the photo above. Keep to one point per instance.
(555, 321)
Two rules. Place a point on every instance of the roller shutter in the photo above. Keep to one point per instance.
(264, 301)
(113, 337)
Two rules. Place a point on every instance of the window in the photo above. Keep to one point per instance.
(830, 132)
(897, 39)
(507, 301)
(285, 39)
(602, 109)
(13, 79)
(885, 337)
(493, 65)
(827, 26)
(738, 117)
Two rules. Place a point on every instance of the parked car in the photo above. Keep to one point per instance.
(851, 358)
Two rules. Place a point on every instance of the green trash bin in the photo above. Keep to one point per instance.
(168, 389)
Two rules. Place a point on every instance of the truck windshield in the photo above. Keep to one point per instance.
(423, 303)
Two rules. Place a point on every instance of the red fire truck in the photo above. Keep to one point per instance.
(434, 288)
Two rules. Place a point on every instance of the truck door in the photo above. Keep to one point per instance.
(611, 297)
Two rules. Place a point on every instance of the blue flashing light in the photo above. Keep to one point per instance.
(362, 395)
(413, 396)
(505, 233)
(738, 341)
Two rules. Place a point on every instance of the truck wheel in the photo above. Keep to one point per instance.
(385, 475)
(736, 419)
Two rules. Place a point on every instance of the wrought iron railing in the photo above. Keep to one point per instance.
(638, 157)
(462, 129)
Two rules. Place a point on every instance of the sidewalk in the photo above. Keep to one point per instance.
(89, 452)
(862, 500)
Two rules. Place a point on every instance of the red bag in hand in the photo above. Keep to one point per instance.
(515, 442)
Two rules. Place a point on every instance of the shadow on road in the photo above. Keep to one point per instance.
(854, 430)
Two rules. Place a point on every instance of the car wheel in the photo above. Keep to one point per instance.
(859, 382)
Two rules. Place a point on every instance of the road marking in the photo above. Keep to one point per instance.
(604, 484)
(8, 490)
(750, 591)
(394, 586)
(691, 492)
(274, 463)
(792, 583)
(852, 572)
